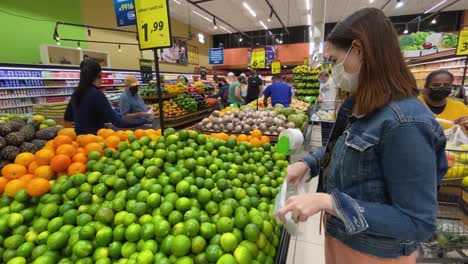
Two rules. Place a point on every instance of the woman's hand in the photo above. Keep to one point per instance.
(305, 206)
(463, 122)
(296, 172)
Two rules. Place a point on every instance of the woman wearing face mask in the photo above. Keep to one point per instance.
(437, 88)
(131, 104)
(223, 91)
(385, 156)
(89, 107)
(328, 92)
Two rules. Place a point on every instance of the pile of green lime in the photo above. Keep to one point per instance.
(182, 199)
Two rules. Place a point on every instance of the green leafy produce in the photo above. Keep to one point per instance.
(450, 40)
(406, 41)
(420, 37)
(186, 102)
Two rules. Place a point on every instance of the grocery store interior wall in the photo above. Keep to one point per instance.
(22, 36)
(101, 13)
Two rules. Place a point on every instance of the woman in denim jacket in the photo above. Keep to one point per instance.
(386, 155)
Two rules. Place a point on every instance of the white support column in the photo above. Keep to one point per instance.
(317, 31)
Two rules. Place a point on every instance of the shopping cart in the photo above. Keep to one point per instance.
(317, 132)
(450, 242)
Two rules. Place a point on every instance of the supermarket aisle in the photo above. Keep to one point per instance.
(307, 247)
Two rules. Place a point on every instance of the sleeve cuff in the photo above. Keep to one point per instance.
(349, 212)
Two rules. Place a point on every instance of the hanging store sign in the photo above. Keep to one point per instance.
(216, 56)
(153, 24)
(462, 47)
(276, 67)
(257, 60)
(124, 12)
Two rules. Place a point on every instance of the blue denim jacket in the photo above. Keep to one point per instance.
(383, 177)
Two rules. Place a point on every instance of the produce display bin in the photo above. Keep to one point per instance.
(283, 248)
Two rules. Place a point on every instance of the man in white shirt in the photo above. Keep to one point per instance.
(328, 91)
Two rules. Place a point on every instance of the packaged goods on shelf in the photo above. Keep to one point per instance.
(51, 110)
(453, 65)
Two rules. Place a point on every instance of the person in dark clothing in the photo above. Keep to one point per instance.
(254, 87)
(223, 91)
(89, 107)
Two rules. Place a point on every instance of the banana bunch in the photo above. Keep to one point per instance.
(304, 69)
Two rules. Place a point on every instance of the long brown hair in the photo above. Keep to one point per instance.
(384, 76)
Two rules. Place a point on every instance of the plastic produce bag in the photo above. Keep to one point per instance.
(280, 202)
(455, 136)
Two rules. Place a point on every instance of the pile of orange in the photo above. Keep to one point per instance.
(256, 138)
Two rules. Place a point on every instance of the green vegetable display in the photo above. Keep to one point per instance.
(186, 102)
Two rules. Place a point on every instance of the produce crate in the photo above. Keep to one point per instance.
(451, 188)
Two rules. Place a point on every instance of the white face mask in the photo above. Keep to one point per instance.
(347, 82)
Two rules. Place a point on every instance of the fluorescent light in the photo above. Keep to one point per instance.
(227, 30)
(215, 27)
(434, 7)
(269, 32)
(307, 5)
(249, 9)
(177, 2)
(263, 25)
(371, 1)
(202, 16)
(309, 19)
(399, 4)
(269, 19)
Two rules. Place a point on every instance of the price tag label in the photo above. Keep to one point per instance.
(462, 47)
(153, 24)
(257, 60)
(276, 67)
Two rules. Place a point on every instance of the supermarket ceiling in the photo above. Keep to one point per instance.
(291, 12)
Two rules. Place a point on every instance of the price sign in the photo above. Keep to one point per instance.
(153, 24)
(146, 70)
(276, 67)
(124, 12)
(257, 60)
(462, 47)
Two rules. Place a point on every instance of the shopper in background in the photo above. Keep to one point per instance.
(438, 87)
(223, 92)
(234, 92)
(327, 96)
(279, 91)
(89, 107)
(385, 157)
(254, 88)
(290, 82)
(131, 104)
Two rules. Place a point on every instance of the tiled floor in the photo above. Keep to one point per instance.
(307, 246)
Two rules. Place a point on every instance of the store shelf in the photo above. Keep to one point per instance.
(36, 78)
(33, 96)
(36, 87)
(18, 106)
(438, 68)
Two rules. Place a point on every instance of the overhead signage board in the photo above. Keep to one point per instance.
(216, 56)
(124, 12)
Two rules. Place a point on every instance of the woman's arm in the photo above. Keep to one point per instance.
(237, 93)
(104, 108)
(135, 116)
(412, 160)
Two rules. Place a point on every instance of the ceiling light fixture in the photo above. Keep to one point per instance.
(309, 19)
(263, 25)
(79, 45)
(240, 39)
(307, 5)
(58, 42)
(89, 32)
(120, 48)
(249, 9)
(271, 15)
(177, 2)
(399, 3)
(371, 1)
(434, 21)
(434, 7)
(214, 22)
(406, 30)
(202, 16)
(225, 29)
